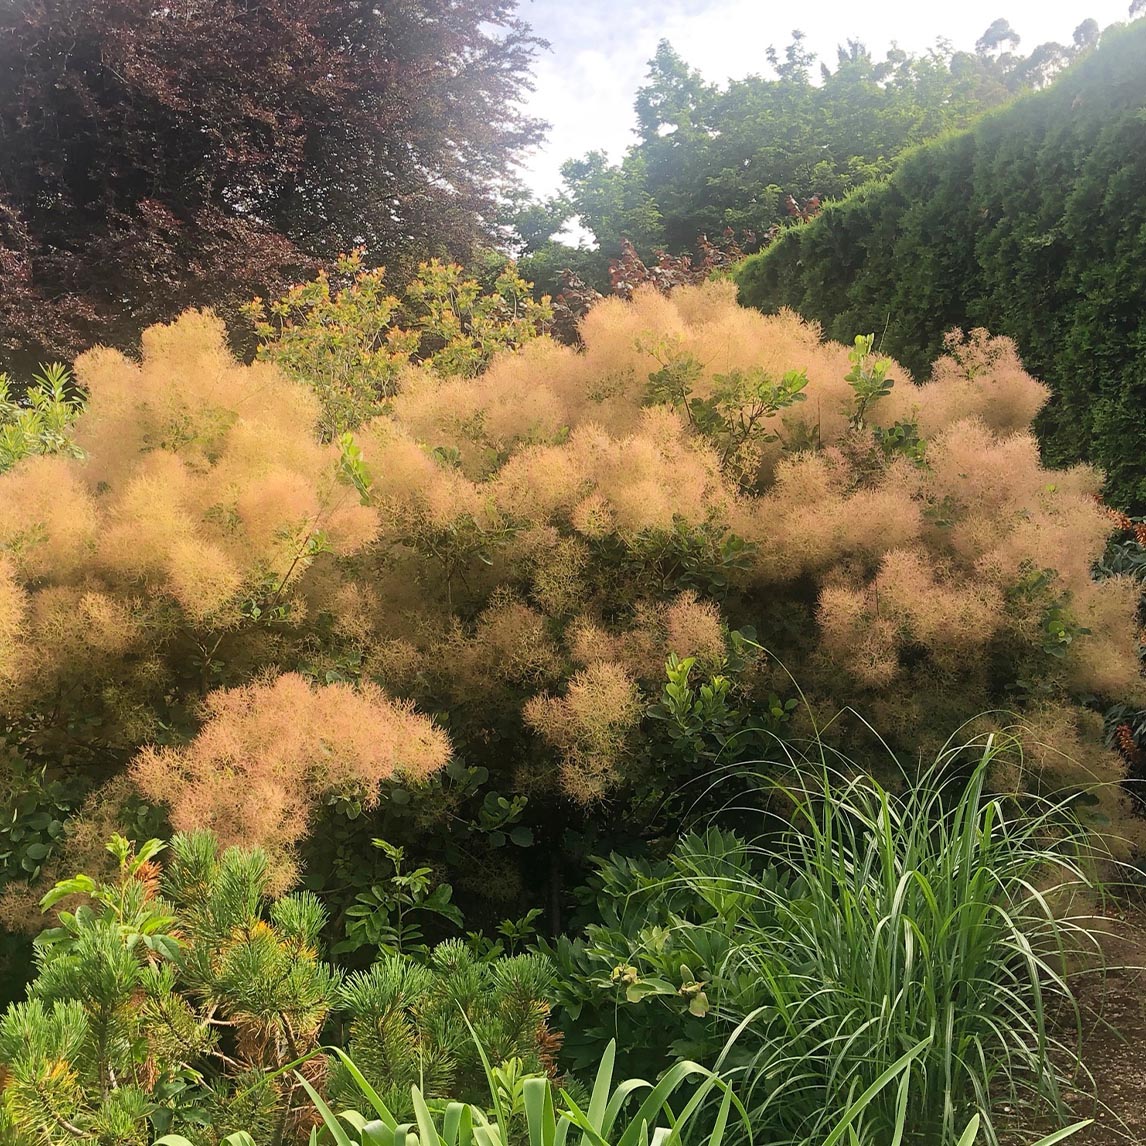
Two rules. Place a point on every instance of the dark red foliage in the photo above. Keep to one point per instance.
(802, 210)
(629, 271)
(570, 305)
(154, 157)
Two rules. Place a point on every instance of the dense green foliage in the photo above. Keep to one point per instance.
(523, 1108)
(863, 923)
(708, 157)
(348, 338)
(881, 965)
(650, 965)
(39, 422)
(1033, 224)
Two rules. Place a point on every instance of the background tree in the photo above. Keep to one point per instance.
(1086, 35)
(708, 157)
(998, 35)
(153, 158)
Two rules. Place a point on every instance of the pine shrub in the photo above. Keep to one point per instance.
(184, 997)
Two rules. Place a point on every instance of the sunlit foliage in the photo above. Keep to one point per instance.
(349, 338)
(40, 420)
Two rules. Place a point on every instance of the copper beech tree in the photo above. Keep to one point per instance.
(524, 549)
(133, 184)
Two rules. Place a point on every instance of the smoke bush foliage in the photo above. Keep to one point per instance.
(526, 548)
(172, 558)
(266, 749)
(921, 584)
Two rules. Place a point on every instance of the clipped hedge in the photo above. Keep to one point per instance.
(1032, 223)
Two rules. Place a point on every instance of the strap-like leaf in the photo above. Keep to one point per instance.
(599, 1099)
(537, 1096)
(1065, 1132)
(329, 1118)
(458, 1124)
(967, 1138)
(427, 1131)
(854, 1109)
(368, 1092)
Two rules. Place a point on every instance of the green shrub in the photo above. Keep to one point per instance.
(940, 917)
(41, 421)
(183, 1001)
(350, 340)
(522, 1110)
(650, 970)
(411, 1022)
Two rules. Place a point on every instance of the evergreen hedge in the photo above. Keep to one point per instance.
(1032, 224)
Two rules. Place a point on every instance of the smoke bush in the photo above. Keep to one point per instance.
(525, 548)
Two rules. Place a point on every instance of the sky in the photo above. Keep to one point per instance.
(585, 84)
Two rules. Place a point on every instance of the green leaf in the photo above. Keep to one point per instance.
(329, 1119)
(967, 1138)
(78, 885)
(537, 1097)
(427, 1131)
(646, 987)
(1064, 1133)
(380, 1108)
(855, 1109)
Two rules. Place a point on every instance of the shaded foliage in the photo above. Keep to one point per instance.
(156, 158)
(865, 921)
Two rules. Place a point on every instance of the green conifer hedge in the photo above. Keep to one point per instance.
(1033, 224)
